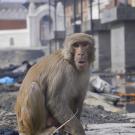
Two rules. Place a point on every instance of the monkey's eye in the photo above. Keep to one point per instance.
(85, 44)
(75, 45)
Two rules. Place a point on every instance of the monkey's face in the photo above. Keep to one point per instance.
(79, 50)
(81, 58)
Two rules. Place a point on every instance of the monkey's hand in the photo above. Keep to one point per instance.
(62, 112)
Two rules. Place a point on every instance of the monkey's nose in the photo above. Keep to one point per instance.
(81, 54)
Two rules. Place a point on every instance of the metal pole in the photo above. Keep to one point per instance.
(64, 3)
(81, 14)
(49, 15)
(91, 20)
(99, 9)
(74, 20)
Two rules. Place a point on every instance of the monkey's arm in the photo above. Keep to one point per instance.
(79, 107)
(62, 113)
(59, 107)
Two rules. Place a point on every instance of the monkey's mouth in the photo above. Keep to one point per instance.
(82, 63)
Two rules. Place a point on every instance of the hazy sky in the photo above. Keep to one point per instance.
(13, 1)
(22, 1)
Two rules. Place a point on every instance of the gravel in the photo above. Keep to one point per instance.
(90, 114)
(97, 115)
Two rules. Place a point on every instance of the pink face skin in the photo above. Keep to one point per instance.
(81, 55)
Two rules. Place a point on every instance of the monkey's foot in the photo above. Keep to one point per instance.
(49, 131)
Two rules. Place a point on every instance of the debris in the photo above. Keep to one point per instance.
(96, 99)
(15, 72)
(111, 98)
(7, 80)
(111, 129)
(22, 68)
(7, 120)
(130, 78)
(98, 115)
(8, 132)
(99, 85)
(103, 92)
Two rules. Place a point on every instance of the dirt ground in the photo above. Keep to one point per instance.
(90, 114)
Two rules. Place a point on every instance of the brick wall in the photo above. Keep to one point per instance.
(12, 24)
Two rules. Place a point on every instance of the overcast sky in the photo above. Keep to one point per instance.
(13, 1)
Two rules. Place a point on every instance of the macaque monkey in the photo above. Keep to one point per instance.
(54, 89)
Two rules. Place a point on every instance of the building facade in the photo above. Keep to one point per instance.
(32, 24)
(46, 23)
(112, 24)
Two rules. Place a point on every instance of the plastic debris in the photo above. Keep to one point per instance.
(22, 68)
(100, 85)
(8, 132)
(7, 80)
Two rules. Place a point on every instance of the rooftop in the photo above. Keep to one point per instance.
(13, 11)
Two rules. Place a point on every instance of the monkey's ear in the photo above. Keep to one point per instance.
(68, 50)
(67, 54)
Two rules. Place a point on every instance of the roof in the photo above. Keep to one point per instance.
(13, 11)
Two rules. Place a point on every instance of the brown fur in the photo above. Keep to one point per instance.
(54, 89)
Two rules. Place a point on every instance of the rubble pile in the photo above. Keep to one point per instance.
(14, 73)
(97, 115)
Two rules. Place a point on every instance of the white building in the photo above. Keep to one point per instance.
(30, 24)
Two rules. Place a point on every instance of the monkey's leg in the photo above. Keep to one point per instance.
(33, 112)
(48, 131)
